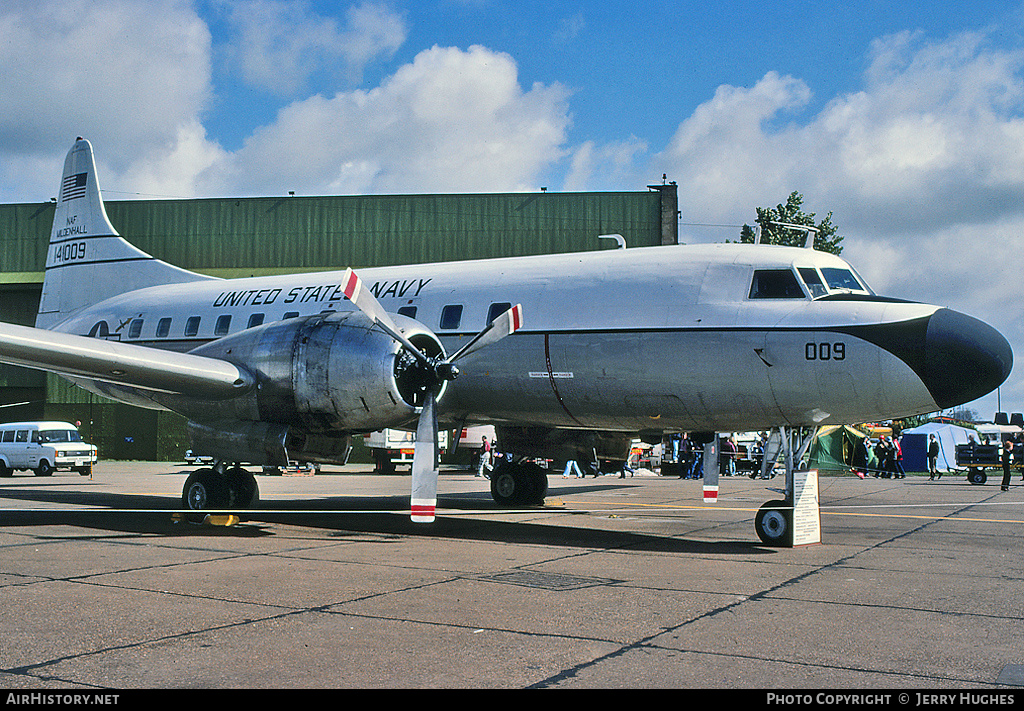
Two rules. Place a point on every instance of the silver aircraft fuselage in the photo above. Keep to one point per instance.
(675, 338)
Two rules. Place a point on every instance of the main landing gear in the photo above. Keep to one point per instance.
(518, 483)
(220, 488)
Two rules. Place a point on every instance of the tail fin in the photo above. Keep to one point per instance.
(87, 261)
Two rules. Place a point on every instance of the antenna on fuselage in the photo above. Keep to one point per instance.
(618, 238)
(806, 229)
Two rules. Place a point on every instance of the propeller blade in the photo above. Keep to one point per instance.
(424, 464)
(504, 325)
(364, 300)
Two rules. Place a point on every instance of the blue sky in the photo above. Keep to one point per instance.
(904, 119)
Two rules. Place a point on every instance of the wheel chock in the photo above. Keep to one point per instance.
(208, 519)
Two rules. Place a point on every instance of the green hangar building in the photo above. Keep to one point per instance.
(236, 237)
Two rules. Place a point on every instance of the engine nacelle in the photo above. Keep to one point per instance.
(331, 373)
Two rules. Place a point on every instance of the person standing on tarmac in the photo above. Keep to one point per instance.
(484, 462)
(897, 459)
(1007, 456)
(933, 459)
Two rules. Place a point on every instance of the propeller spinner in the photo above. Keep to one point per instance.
(434, 372)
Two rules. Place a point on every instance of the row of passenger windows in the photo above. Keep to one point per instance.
(451, 319)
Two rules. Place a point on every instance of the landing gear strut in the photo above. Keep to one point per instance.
(774, 520)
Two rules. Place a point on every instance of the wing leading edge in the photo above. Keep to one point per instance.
(121, 363)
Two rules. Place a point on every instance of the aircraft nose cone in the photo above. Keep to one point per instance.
(964, 358)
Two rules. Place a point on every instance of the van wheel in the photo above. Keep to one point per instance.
(44, 469)
(5, 470)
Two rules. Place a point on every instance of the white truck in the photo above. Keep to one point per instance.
(43, 447)
(392, 448)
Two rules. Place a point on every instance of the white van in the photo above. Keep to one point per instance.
(43, 447)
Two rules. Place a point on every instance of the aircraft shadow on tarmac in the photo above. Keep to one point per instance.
(386, 515)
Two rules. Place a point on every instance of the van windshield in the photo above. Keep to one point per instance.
(59, 436)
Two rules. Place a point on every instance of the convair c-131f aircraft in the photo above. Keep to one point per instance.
(570, 356)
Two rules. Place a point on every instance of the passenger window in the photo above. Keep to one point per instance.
(495, 311)
(222, 325)
(192, 326)
(291, 314)
(451, 316)
(163, 328)
(21, 436)
(255, 320)
(135, 328)
(775, 284)
(409, 311)
(9, 436)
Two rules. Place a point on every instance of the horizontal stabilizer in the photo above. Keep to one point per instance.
(121, 363)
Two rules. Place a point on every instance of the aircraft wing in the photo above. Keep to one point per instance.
(121, 363)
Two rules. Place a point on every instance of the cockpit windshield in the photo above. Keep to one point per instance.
(836, 282)
(831, 281)
(841, 280)
(813, 282)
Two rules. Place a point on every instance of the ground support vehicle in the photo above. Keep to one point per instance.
(977, 458)
(392, 448)
(43, 447)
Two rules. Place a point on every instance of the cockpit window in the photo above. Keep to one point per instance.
(813, 281)
(775, 284)
(841, 280)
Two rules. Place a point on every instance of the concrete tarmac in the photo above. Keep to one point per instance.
(614, 583)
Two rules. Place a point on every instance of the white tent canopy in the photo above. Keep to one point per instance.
(916, 444)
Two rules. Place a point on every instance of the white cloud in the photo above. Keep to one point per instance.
(450, 121)
(278, 45)
(935, 136)
(83, 64)
(725, 157)
(604, 166)
(129, 76)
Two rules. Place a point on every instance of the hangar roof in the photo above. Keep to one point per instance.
(246, 236)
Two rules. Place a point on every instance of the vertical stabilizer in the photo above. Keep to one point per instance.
(87, 260)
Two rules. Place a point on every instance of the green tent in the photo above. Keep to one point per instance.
(832, 449)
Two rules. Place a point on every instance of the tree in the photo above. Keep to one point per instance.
(768, 219)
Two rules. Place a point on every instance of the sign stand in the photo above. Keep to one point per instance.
(806, 513)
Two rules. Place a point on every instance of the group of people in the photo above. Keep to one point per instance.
(888, 454)
(884, 460)
(690, 456)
